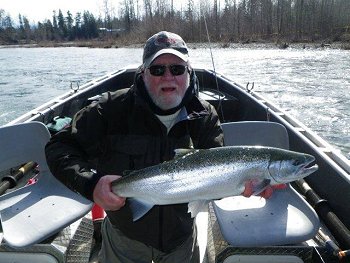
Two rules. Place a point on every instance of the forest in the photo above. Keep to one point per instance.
(240, 21)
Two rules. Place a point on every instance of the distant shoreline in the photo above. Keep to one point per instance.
(255, 45)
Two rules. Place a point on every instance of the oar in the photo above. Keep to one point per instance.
(337, 228)
(10, 181)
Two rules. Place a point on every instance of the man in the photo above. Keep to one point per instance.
(132, 129)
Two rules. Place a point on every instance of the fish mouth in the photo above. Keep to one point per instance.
(305, 169)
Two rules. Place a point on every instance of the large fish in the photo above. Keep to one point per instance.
(198, 176)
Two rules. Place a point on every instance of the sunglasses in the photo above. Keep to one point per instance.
(159, 70)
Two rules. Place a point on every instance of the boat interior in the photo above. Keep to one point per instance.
(46, 222)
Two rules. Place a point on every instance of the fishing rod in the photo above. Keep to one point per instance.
(333, 248)
(212, 61)
(10, 181)
(335, 225)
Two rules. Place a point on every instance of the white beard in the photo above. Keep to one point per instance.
(167, 103)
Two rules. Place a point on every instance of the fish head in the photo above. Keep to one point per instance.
(287, 166)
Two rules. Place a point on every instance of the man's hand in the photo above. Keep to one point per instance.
(103, 195)
(267, 193)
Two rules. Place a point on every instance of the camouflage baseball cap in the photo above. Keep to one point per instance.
(164, 43)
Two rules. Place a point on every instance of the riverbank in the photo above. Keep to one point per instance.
(255, 45)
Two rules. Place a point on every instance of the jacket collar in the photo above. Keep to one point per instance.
(195, 109)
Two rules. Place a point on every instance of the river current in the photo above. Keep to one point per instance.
(313, 85)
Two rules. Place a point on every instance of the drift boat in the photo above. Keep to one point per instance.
(43, 221)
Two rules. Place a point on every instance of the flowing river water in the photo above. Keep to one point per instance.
(311, 84)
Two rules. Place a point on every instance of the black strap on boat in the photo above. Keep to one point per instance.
(10, 181)
(334, 224)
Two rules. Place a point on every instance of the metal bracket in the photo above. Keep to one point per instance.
(249, 89)
(75, 89)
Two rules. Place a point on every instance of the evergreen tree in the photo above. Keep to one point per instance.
(27, 29)
(61, 25)
(89, 26)
(70, 32)
(21, 33)
(49, 30)
(77, 26)
(236, 20)
(8, 33)
(56, 33)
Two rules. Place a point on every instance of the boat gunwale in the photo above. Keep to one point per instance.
(62, 99)
(330, 154)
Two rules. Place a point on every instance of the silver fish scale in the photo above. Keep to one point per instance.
(211, 174)
(204, 175)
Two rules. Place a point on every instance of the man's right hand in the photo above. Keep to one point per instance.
(103, 195)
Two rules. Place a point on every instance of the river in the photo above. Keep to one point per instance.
(311, 84)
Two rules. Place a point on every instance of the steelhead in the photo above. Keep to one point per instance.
(199, 176)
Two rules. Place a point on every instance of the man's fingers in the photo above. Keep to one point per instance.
(103, 195)
(267, 193)
(279, 186)
(248, 190)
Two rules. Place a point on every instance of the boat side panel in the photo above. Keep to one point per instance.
(73, 104)
(330, 184)
(236, 111)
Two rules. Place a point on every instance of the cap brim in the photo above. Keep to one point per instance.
(149, 60)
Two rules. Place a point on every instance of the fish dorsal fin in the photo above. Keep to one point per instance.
(179, 153)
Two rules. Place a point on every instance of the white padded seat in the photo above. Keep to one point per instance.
(285, 218)
(34, 212)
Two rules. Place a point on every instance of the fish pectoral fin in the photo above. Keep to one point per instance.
(260, 186)
(138, 208)
(195, 207)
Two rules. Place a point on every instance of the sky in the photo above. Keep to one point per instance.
(39, 10)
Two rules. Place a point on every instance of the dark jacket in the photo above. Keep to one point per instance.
(119, 133)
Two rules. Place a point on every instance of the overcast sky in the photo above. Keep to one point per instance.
(39, 10)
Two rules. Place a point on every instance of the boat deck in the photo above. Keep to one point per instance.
(76, 242)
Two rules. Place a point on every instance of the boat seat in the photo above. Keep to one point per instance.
(285, 218)
(35, 212)
(262, 133)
